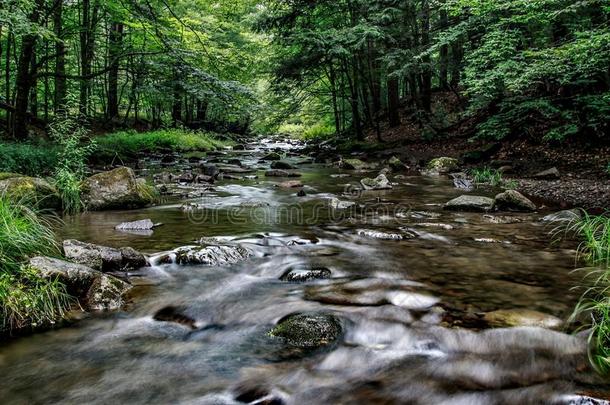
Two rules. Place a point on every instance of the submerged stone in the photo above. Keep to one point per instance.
(308, 330)
(281, 173)
(522, 317)
(304, 275)
(175, 315)
(563, 216)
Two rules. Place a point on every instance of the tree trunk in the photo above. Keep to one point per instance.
(24, 80)
(115, 44)
(60, 60)
(426, 77)
(87, 44)
(444, 55)
(393, 102)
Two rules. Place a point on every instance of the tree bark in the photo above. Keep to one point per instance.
(426, 77)
(115, 45)
(61, 84)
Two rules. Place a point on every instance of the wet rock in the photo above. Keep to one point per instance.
(522, 317)
(141, 225)
(470, 203)
(512, 200)
(462, 181)
(340, 176)
(579, 400)
(282, 165)
(563, 216)
(301, 193)
(202, 178)
(175, 315)
(257, 395)
(187, 178)
(353, 164)
(116, 189)
(299, 275)
(381, 182)
(550, 174)
(336, 204)
(235, 162)
(103, 258)
(442, 165)
(30, 189)
(308, 330)
(95, 290)
(396, 165)
(368, 233)
(291, 184)
(498, 219)
(209, 170)
(214, 255)
(239, 147)
(281, 173)
(254, 204)
(273, 156)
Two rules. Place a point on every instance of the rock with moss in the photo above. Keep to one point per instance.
(116, 189)
(273, 156)
(380, 182)
(308, 331)
(33, 190)
(442, 165)
(396, 165)
(470, 203)
(512, 200)
(353, 164)
(95, 290)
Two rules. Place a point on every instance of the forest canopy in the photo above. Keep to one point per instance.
(508, 67)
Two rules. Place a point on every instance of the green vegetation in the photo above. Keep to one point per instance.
(492, 177)
(129, 144)
(26, 300)
(594, 306)
(30, 159)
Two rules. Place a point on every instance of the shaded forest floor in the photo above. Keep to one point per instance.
(582, 164)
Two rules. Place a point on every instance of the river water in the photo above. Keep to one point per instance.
(410, 309)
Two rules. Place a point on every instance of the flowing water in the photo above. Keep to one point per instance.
(410, 309)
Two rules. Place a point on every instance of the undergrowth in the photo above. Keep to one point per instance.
(26, 299)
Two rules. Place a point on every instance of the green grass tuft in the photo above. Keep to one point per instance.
(26, 300)
(487, 176)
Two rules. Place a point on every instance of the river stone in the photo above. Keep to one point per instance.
(522, 317)
(282, 165)
(217, 255)
(353, 164)
(336, 204)
(281, 173)
(273, 156)
(380, 182)
(95, 290)
(396, 165)
(175, 315)
(512, 200)
(442, 165)
(550, 174)
(30, 189)
(308, 330)
(470, 203)
(368, 233)
(563, 216)
(303, 275)
(142, 225)
(116, 189)
(291, 184)
(103, 258)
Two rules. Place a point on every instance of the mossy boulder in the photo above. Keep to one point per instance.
(353, 164)
(32, 189)
(116, 189)
(308, 331)
(512, 200)
(443, 165)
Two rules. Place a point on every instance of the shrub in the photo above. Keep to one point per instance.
(318, 132)
(30, 159)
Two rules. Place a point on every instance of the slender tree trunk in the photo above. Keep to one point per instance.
(89, 20)
(426, 77)
(393, 101)
(444, 55)
(61, 84)
(115, 45)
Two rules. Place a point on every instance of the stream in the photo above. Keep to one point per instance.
(411, 309)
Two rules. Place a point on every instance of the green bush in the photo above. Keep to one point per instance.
(129, 145)
(318, 132)
(30, 159)
(26, 300)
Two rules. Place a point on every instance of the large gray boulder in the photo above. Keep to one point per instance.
(30, 189)
(103, 258)
(512, 200)
(470, 203)
(116, 189)
(95, 290)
